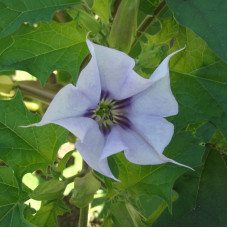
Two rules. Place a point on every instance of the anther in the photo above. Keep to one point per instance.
(110, 116)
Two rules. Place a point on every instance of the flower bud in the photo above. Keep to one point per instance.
(124, 26)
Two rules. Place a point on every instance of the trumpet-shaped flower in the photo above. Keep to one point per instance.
(113, 109)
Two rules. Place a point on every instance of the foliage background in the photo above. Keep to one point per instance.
(47, 40)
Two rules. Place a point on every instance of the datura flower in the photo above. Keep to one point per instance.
(113, 109)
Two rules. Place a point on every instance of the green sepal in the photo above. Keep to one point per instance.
(124, 26)
(62, 164)
(84, 190)
(48, 190)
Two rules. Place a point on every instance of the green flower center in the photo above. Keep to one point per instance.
(110, 112)
(104, 114)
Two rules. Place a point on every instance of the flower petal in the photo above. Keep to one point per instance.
(69, 102)
(91, 149)
(158, 99)
(89, 81)
(147, 140)
(116, 72)
(155, 130)
(78, 126)
(163, 69)
(114, 143)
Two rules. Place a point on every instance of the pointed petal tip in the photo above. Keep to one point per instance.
(30, 125)
(177, 163)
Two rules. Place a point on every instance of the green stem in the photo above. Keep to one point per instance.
(83, 218)
(147, 22)
(33, 89)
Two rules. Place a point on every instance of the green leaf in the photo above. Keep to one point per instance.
(47, 214)
(11, 210)
(125, 215)
(202, 196)
(62, 164)
(26, 149)
(14, 217)
(48, 190)
(159, 179)
(84, 190)
(207, 18)
(43, 49)
(15, 12)
(201, 98)
(153, 206)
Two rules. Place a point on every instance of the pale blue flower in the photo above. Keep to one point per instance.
(113, 109)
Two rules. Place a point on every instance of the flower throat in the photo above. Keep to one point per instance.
(110, 112)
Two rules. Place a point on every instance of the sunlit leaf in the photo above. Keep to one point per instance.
(43, 49)
(11, 210)
(26, 149)
(207, 18)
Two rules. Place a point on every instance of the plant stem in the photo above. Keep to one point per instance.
(83, 218)
(116, 6)
(147, 22)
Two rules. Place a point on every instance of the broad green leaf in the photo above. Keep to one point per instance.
(14, 217)
(207, 18)
(153, 206)
(47, 214)
(48, 190)
(26, 149)
(202, 196)
(9, 73)
(11, 211)
(159, 179)
(201, 96)
(84, 190)
(43, 49)
(15, 12)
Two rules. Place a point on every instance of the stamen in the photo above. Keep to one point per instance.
(110, 112)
